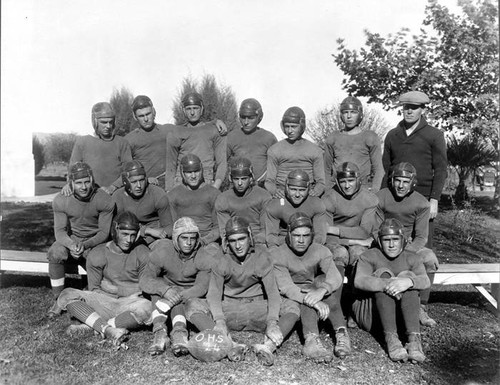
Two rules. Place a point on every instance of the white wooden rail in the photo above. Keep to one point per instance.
(478, 274)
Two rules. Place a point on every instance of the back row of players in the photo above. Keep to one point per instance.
(168, 244)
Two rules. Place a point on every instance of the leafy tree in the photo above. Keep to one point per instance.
(38, 154)
(456, 64)
(58, 147)
(465, 155)
(328, 120)
(219, 101)
(121, 100)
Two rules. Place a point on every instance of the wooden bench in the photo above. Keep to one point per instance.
(31, 262)
(478, 274)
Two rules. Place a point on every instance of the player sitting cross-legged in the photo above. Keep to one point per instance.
(113, 303)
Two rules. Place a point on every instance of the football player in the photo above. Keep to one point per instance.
(306, 274)
(294, 152)
(244, 200)
(297, 198)
(409, 207)
(113, 303)
(82, 221)
(178, 270)
(393, 276)
(148, 202)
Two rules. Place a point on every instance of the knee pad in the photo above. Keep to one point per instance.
(429, 260)
(67, 296)
(142, 312)
(289, 306)
(194, 306)
(355, 252)
(407, 274)
(340, 254)
(57, 253)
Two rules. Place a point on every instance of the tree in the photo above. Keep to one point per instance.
(219, 101)
(456, 64)
(38, 154)
(328, 120)
(58, 147)
(121, 100)
(465, 155)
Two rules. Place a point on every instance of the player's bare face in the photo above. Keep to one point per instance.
(192, 179)
(293, 131)
(300, 239)
(239, 245)
(82, 187)
(125, 239)
(412, 113)
(249, 123)
(348, 186)
(401, 186)
(241, 183)
(193, 113)
(351, 118)
(105, 127)
(187, 242)
(145, 117)
(392, 245)
(296, 194)
(137, 185)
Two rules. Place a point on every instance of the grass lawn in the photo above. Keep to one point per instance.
(463, 349)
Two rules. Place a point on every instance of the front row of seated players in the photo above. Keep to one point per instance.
(390, 278)
(113, 303)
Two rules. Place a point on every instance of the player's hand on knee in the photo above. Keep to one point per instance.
(323, 310)
(314, 296)
(274, 332)
(76, 250)
(172, 296)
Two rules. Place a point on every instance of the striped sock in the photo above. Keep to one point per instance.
(84, 313)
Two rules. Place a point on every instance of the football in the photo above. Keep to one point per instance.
(209, 346)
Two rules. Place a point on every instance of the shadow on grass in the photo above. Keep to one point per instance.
(473, 362)
(25, 280)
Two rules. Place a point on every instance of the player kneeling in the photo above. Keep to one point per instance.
(112, 305)
(243, 295)
(394, 278)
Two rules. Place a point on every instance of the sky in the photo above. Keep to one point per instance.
(60, 57)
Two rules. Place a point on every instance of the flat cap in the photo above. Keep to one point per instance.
(414, 97)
